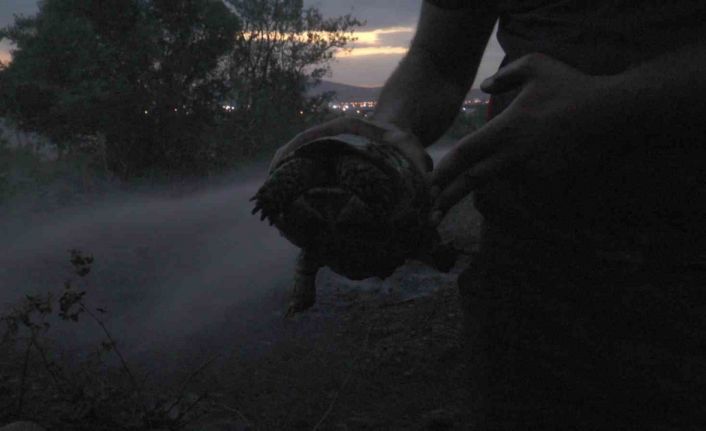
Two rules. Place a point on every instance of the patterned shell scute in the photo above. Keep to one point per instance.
(359, 206)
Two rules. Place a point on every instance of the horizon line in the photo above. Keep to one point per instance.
(368, 86)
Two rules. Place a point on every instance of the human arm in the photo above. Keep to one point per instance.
(422, 97)
(424, 94)
(560, 115)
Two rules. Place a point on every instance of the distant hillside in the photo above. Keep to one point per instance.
(346, 93)
(351, 93)
(475, 93)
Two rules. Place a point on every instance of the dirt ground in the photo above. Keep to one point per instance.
(386, 357)
(374, 364)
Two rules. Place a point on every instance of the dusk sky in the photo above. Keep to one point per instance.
(382, 42)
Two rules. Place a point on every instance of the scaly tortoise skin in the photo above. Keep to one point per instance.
(357, 206)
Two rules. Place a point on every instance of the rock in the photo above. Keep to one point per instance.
(22, 426)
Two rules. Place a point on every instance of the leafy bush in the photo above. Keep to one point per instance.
(38, 384)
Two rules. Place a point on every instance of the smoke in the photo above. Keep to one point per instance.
(164, 266)
(179, 275)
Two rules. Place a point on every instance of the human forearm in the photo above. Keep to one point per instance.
(424, 94)
(416, 98)
(422, 97)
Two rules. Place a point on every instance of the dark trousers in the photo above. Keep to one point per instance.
(558, 338)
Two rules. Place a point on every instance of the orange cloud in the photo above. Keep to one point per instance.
(372, 37)
(372, 50)
(5, 57)
(378, 42)
(367, 43)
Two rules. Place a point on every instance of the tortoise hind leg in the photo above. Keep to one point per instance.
(303, 294)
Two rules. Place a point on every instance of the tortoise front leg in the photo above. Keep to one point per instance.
(304, 292)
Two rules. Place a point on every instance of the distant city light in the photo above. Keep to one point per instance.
(368, 106)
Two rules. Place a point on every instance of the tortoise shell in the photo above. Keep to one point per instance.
(360, 207)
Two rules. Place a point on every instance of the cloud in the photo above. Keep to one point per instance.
(380, 41)
(10, 8)
(393, 41)
(374, 37)
(373, 50)
(368, 71)
(371, 65)
(5, 57)
(376, 13)
(380, 45)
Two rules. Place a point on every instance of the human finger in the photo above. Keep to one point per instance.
(467, 152)
(410, 146)
(464, 184)
(513, 75)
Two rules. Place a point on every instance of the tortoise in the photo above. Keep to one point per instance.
(356, 205)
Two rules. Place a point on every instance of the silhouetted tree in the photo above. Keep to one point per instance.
(282, 50)
(140, 84)
(142, 76)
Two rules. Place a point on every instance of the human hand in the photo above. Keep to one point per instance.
(544, 130)
(374, 130)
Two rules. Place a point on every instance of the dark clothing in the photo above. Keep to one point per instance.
(646, 204)
(562, 340)
(585, 306)
(641, 203)
(599, 37)
(595, 36)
